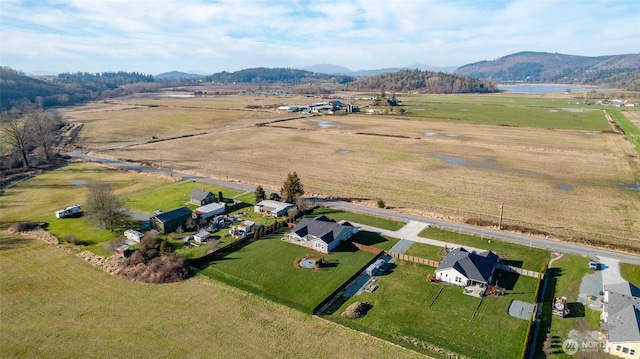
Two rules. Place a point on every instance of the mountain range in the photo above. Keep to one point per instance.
(619, 71)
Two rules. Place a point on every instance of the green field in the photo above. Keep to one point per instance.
(378, 222)
(425, 251)
(631, 273)
(265, 267)
(171, 195)
(563, 279)
(630, 130)
(517, 255)
(54, 305)
(401, 307)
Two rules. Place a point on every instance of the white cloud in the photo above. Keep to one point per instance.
(157, 36)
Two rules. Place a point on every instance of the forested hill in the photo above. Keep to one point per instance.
(422, 81)
(275, 75)
(66, 88)
(617, 71)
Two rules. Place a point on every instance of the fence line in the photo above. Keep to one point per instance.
(414, 259)
(367, 248)
(525, 272)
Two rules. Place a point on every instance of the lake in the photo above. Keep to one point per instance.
(547, 88)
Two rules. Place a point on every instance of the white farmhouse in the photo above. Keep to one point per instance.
(464, 268)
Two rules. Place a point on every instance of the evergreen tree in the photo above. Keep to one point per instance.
(292, 188)
(260, 195)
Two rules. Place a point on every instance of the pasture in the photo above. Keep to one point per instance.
(402, 306)
(575, 178)
(265, 267)
(57, 306)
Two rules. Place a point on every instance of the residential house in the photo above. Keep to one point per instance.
(208, 211)
(321, 234)
(620, 319)
(202, 197)
(464, 268)
(170, 221)
(272, 208)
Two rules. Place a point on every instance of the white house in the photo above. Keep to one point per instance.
(321, 234)
(620, 319)
(208, 211)
(272, 208)
(464, 268)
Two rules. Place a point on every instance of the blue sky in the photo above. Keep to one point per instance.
(212, 36)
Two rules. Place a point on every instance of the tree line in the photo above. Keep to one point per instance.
(422, 81)
(275, 75)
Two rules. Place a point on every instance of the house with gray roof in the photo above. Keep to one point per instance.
(202, 197)
(620, 319)
(464, 268)
(272, 208)
(320, 234)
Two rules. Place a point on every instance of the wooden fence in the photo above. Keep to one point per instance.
(367, 248)
(524, 272)
(413, 259)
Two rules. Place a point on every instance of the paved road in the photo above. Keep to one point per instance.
(412, 220)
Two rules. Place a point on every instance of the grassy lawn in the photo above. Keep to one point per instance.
(517, 255)
(630, 130)
(631, 273)
(172, 195)
(55, 305)
(564, 279)
(425, 251)
(358, 218)
(401, 307)
(503, 111)
(266, 267)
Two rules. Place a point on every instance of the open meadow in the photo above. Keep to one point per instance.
(556, 166)
(404, 307)
(54, 305)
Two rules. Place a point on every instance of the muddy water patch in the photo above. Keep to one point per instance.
(430, 134)
(450, 159)
(78, 182)
(564, 187)
(632, 186)
(344, 151)
(325, 123)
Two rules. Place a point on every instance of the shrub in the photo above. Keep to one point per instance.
(381, 203)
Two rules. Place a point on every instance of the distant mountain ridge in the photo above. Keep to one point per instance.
(619, 71)
(172, 75)
(331, 69)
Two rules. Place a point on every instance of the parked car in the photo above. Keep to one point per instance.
(593, 265)
(157, 212)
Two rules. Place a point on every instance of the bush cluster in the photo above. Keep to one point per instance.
(155, 262)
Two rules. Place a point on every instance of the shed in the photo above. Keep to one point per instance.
(170, 221)
(133, 235)
(201, 236)
(272, 208)
(208, 211)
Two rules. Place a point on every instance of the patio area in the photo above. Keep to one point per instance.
(475, 291)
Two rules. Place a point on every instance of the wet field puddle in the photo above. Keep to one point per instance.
(79, 183)
(632, 187)
(564, 187)
(486, 163)
(325, 123)
(344, 151)
(430, 134)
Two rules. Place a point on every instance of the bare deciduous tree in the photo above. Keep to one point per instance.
(103, 206)
(42, 126)
(17, 137)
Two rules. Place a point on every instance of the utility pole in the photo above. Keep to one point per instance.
(500, 221)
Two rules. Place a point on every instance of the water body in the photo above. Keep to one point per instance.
(344, 151)
(450, 159)
(430, 134)
(632, 187)
(547, 88)
(325, 123)
(79, 183)
(564, 187)
(175, 95)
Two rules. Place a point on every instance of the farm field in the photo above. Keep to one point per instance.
(401, 307)
(576, 178)
(57, 306)
(265, 267)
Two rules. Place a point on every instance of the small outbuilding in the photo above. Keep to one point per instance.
(201, 236)
(133, 235)
(272, 208)
(170, 221)
(209, 211)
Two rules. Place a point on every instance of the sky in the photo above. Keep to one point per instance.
(41, 36)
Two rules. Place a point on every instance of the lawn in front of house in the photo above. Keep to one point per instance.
(265, 267)
(401, 307)
(631, 273)
(338, 215)
(517, 255)
(426, 251)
